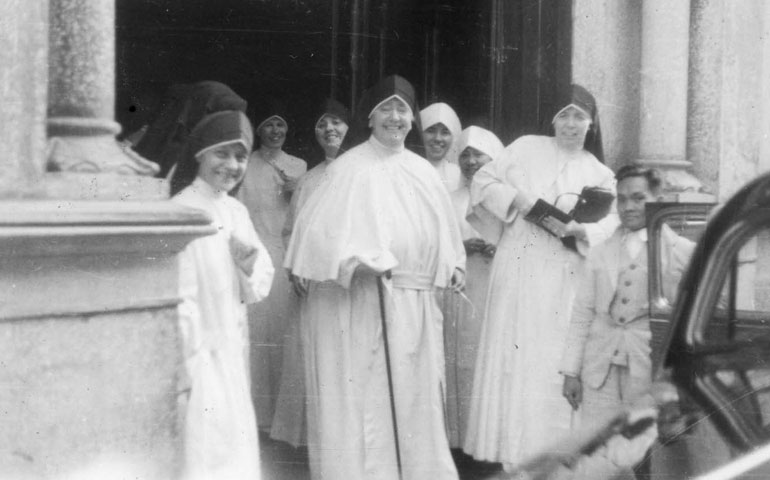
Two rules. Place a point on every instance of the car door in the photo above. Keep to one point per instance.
(684, 219)
(717, 346)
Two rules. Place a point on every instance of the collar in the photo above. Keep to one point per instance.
(203, 188)
(639, 235)
(381, 146)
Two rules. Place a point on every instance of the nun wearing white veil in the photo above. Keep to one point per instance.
(463, 314)
(441, 129)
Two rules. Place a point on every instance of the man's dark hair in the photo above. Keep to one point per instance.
(652, 175)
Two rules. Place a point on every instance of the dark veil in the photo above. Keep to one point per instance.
(183, 107)
(581, 97)
(392, 85)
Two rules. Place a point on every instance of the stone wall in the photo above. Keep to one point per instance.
(606, 60)
(92, 394)
(728, 95)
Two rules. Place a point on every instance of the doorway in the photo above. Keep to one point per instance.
(498, 63)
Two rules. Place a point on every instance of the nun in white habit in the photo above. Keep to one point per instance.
(382, 209)
(463, 313)
(441, 128)
(219, 275)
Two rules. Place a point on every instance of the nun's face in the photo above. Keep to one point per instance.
(272, 133)
(437, 139)
(571, 126)
(471, 160)
(224, 166)
(391, 122)
(330, 132)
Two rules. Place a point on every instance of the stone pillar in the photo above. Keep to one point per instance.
(89, 343)
(23, 83)
(81, 98)
(663, 92)
(728, 109)
(606, 60)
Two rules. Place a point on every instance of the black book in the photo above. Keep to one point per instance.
(593, 204)
(541, 210)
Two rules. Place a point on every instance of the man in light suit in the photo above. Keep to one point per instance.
(606, 363)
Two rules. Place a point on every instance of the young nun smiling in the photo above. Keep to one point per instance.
(266, 190)
(462, 322)
(441, 129)
(219, 275)
(289, 424)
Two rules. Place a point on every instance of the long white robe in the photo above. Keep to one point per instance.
(388, 210)
(290, 419)
(267, 198)
(517, 407)
(220, 430)
(462, 326)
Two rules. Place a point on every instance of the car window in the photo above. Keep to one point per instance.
(686, 221)
(742, 309)
(672, 262)
(735, 336)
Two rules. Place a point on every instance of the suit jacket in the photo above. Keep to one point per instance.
(601, 331)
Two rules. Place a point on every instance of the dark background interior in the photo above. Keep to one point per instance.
(498, 63)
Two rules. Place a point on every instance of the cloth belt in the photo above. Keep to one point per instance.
(412, 280)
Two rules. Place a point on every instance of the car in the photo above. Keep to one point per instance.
(712, 345)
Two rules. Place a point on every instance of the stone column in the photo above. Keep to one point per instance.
(663, 92)
(81, 98)
(606, 60)
(23, 77)
(728, 107)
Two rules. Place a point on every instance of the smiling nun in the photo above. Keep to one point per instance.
(383, 209)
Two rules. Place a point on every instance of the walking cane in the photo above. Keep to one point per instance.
(384, 323)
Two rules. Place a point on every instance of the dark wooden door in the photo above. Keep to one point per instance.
(499, 63)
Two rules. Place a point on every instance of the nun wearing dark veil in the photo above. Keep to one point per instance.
(219, 275)
(183, 107)
(382, 209)
(517, 406)
(266, 190)
(289, 422)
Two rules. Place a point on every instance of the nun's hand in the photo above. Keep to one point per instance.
(289, 182)
(473, 245)
(301, 285)
(458, 280)
(489, 250)
(555, 226)
(244, 254)
(575, 229)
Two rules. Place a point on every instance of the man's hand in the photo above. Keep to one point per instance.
(572, 391)
(458, 280)
(244, 254)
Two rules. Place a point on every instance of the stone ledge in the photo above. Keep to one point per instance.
(63, 227)
(64, 258)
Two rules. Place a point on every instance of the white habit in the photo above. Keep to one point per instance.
(220, 430)
(386, 209)
(517, 406)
